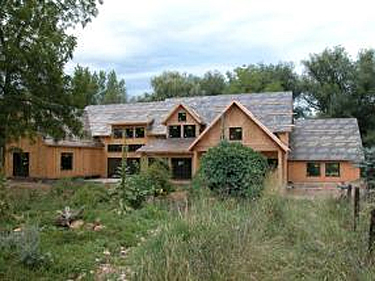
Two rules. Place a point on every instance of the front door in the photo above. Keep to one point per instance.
(181, 168)
(20, 164)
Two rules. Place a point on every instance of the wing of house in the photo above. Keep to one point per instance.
(181, 130)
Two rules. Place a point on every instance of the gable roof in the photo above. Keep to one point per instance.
(187, 109)
(274, 110)
(326, 139)
(251, 116)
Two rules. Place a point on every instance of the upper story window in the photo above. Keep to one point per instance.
(114, 148)
(129, 133)
(140, 132)
(313, 169)
(333, 169)
(174, 131)
(66, 161)
(117, 133)
(189, 131)
(182, 116)
(235, 133)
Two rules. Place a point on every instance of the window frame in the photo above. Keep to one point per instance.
(136, 134)
(62, 163)
(232, 135)
(337, 175)
(169, 131)
(114, 148)
(181, 116)
(193, 131)
(308, 171)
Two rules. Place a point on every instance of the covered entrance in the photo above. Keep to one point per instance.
(21, 164)
(181, 168)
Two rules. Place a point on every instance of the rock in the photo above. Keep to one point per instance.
(98, 227)
(18, 229)
(77, 224)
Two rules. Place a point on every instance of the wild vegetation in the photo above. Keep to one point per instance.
(198, 237)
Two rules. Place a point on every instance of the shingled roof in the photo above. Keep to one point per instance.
(168, 145)
(326, 139)
(274, 110)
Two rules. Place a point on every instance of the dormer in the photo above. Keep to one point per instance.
(183, 122)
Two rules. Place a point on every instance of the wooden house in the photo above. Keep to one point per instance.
(181, 130)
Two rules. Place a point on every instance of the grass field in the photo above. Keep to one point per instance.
(202, 238)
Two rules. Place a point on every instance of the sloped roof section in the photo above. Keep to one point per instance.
(167, 146)
(274, 110)
(326, 139)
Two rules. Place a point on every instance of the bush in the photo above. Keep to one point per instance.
(159, 175)
(4, 200)
(26, 244)
(233, 169)
(90, 195)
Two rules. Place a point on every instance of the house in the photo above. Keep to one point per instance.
(181, 130)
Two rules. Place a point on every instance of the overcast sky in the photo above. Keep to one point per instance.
(142, 38)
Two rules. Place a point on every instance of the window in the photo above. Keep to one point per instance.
(332, 169)
(313, 169)
(182, 116)
(189, 131)
(66, 161)
(139, 132)
(129, 133)
(117, 133)
(175, 131)
(181, 168)
(235, 133)
(114, 148)
(272, 163)
(134, 147)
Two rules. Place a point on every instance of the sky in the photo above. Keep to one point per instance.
(140, 39)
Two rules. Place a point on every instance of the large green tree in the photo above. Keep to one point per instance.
(256, 78)
(90, 88)
(34, 48)
(335, 85)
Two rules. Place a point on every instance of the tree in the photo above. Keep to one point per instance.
(213, 83)
(89, 88)
(334, 85)
(34, 47)
(256, 78)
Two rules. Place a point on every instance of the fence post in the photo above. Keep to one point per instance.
(356, 207)
(371, 238)
(349, 192)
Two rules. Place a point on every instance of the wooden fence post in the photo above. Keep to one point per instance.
(371, 238)
(356, 207)
(349, 192)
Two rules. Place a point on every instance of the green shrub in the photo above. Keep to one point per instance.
(4, 199)
(26, 244)
(90, 195)
(159, 175)
(233, 169)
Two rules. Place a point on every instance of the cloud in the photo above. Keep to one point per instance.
(140, 39)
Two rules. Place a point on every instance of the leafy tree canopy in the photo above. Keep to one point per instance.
(90, 88)
(34, 47)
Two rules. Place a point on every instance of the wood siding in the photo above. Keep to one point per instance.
(173, 120)
(45, 161)
(297, 172)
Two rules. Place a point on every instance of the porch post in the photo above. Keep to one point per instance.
(280, 167)
(195, 162)
(144, 162)
(285, 178)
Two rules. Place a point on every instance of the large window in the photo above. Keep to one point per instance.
(134, 147)
(333, 169)
(313, 169)
(235, 133)
(189, 131)
(174, 131)
(181, 168)
(182, 116)
(66, 161)
(139, 132)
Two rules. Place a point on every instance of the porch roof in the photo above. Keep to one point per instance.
(169, 146)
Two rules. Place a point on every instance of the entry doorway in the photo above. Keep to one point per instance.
(21, 164)
(132, 165)
(181, 168)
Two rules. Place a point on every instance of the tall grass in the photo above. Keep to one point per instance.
(274, 238)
